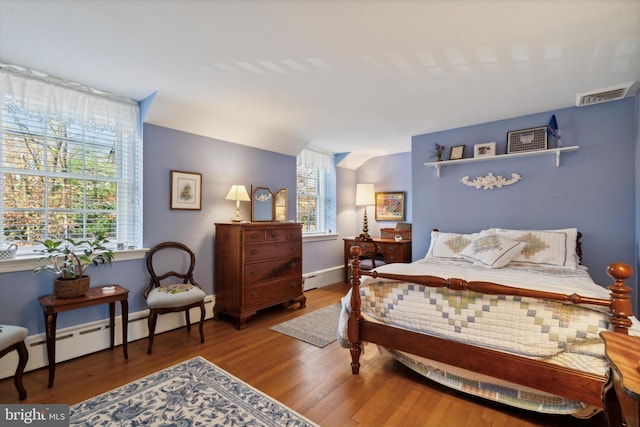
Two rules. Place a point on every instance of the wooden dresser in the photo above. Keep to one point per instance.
(257, 265)
(393, 251)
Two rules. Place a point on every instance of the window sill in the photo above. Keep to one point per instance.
(319, 237)
(28, 262)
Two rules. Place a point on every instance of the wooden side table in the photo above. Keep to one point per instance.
(623, 353)
(94, 296)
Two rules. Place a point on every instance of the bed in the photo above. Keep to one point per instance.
(507, 315)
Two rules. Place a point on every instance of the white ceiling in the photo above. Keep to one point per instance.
(343, 76)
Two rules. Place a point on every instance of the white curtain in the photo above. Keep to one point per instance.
(37, 93)
(311, 159)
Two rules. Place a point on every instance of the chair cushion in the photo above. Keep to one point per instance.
(367, 264)
(174, 295)
(10, 335)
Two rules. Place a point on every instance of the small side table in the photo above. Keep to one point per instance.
(94, 296)
(623, 353)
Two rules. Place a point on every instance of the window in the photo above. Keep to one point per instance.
(70, 168)
(316, 192)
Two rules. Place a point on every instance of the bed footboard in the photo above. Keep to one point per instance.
(569, 383)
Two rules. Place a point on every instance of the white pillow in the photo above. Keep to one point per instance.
(492, 251)
(447, 245)
(555, 248)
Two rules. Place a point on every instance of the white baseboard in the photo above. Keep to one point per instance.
(80, 340)
(322, 278)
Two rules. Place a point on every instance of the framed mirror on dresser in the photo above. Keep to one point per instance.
(267, 206)
(280, 213)
(262, 204)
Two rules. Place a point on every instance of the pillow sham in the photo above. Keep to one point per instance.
(492, 251)
(447, 245)
(555, 248)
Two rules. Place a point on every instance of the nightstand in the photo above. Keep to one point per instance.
(623, 353)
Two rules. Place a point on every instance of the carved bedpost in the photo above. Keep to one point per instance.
(355, 317)
(620, 309)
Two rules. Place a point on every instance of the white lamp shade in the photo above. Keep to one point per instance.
(365, 195)
(238, 192)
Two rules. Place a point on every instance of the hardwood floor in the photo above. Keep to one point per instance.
(315, 382)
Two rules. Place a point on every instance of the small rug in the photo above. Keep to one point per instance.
(319, 327)
(194, 392)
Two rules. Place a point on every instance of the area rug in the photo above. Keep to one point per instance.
(319, 327)
(194, 392)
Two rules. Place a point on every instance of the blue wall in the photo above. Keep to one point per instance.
(221, 165)
(593, 189)
(387, 173)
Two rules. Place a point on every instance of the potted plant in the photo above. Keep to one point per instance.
(69, 261)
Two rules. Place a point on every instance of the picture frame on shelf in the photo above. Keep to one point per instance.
(457, 152)
(485, 149)
(525, 140)
(390, 206)
(186, 190)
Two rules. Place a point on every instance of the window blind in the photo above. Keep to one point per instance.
(316, 191)
(71, 161)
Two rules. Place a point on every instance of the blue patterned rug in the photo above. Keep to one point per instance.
(194, 392)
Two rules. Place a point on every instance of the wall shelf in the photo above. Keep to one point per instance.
(556, 151)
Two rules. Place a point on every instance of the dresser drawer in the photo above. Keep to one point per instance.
(254, 236)
(271, 250)
(265, 294)
(283, 234)
(271, 269)
(394, 253)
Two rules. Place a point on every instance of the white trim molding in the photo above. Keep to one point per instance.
(490, 181)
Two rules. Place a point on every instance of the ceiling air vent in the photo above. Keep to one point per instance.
(598, 96)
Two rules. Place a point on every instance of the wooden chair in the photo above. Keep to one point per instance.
(12, 338)
(371, 257)
(173, 296)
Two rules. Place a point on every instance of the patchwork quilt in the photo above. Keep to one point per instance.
(557, 333)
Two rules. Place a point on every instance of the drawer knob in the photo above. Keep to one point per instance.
(255, 236)
(392, 248)
(274, 234)
(293, 284)
(253, 252)
(254, 294)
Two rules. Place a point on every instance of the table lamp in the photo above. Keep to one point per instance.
(365, 196)
(239, 194)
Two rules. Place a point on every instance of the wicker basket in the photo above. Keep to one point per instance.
(391, 233)
(71, 288)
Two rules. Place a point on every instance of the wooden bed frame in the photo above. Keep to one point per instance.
(569, 383)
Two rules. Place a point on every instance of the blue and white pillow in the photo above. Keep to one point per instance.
(544, 248)
(447, 245)
(492, 251)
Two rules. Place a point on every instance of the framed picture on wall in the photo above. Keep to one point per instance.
(186, 190)
(390, 206)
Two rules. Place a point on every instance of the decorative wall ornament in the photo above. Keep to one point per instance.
(490, 181)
